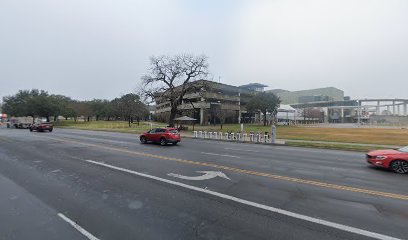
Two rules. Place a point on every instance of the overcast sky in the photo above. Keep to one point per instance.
(100, 48)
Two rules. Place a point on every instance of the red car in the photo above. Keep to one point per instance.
(41, 127)
(162, 136)
(396, 160)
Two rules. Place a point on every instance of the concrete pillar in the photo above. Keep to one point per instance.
(202, 111)
(239, 103)
(393, 107)
(201, 116)
(358, 114)
(378, 108)
(342, 115)
(405, 109)
(399, 110)
(326, 115)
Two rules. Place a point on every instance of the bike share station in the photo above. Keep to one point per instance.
(252, 137)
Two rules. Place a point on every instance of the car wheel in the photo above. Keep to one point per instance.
(50, 130)
(163, 141)
(175, 143)
(399, 166)
(143, 140)
(31, 129)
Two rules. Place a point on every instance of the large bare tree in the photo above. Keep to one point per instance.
(222, 114)
(171, 77)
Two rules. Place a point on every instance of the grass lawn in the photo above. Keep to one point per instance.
(381, 136)
(116, 126)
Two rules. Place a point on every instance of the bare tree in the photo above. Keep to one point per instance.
(222, 114)
(171, 77)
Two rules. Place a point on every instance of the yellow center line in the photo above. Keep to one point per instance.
(238, 170)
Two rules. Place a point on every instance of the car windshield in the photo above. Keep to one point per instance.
(174, 131)
(404, 149)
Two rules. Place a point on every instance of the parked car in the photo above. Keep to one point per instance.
(162, 136)
(395, 160)
(41, 127)
(20, 122)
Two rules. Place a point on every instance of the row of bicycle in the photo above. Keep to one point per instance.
(235, 136)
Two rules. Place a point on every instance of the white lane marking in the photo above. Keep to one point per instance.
(207, 175)
(222, 155)
(254, 204)
(77, 227)
(245, 150)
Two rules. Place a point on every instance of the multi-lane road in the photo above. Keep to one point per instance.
(73, 184)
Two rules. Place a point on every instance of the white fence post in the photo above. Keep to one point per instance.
(244, 136)
(195, 134)
(201, 134)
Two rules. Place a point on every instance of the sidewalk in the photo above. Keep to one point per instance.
(343, 143)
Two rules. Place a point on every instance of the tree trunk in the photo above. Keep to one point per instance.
(129, 121)
(55, 118)
(88, 118)
(48, 118)
(173, 113)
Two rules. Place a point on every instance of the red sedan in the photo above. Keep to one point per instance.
(162, 136)
(396, 160)
(41, 127)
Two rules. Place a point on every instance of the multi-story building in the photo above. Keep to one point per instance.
(311, 95)
(218, 102)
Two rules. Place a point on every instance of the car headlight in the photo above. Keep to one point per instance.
(380, 157)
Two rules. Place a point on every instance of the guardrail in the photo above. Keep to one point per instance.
(255, 137)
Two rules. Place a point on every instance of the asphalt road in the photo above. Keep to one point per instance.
(73, 184)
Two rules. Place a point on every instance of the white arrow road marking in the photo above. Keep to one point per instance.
(207, 175)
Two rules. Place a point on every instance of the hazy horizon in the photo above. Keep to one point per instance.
(90, 49)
